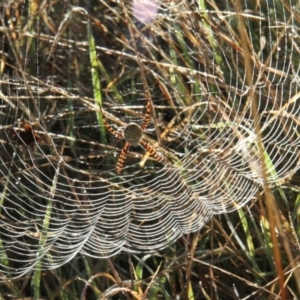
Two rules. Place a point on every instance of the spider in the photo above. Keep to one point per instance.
(26, 135)
(133, 136)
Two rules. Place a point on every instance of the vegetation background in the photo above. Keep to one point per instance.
(81, 46)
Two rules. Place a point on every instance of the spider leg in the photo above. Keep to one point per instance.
(111, 130)
(122, 158)
(147, 115)
(151, 150)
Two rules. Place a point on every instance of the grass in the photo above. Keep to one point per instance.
(222, 80)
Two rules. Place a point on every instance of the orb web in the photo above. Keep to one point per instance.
(60, 193)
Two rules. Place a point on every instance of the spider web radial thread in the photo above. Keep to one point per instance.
(61, 194)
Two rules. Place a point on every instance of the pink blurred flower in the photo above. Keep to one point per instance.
(145, 10)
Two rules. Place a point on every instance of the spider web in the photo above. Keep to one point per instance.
(60, 193)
